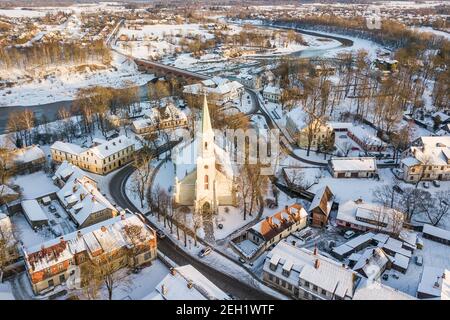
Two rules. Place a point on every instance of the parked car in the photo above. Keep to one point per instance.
(419, 260)
(348, 234)
(385, 277)
(220, 226)
(52, 208)
(395, 276)
(426, 185)
(204, 252)
(241, 260)
(436, 183)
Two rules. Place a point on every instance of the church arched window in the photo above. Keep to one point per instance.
(206, 145)
(206, 182)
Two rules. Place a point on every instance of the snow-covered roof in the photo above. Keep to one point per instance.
(67, 147)
(85, 199)
(111, 147)
(322, 199)
(367, 135)
(401, 261)
(6, 191)
(374, 290)
(314, 268)
(90, 239)
(359, 240)
(68, 172)
(33, 210)
(436, 232)
(187, 283)
(102, 151)
(6, 291)
(270, 227)
(350, 210)
(269, 89)
(435, 282)
(354, 164)
(372, 260)
(28, 154)
(410, 161)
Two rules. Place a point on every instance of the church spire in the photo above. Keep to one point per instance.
(206, 120)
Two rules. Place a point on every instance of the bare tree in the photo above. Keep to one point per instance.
(142, 173)
(440, 207)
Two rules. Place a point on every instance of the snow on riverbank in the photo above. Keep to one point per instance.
(64, 85)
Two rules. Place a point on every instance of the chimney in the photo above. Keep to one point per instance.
(315, 251)
(443, 275)
(79, 234)
(173, 271)
(106, 147)
(103, 228)
(190, 284)
(61, 239)
(286, 208)
(82, 195)
(120, 140)
(317, 264)
(163, 289)
(114, 143)
(122, 216)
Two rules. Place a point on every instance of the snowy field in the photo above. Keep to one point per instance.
(64, 85)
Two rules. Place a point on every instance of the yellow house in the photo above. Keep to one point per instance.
(318, 131)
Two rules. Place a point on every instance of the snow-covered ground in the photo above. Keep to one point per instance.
(64, 85)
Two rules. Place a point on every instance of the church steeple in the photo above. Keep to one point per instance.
(206, 120)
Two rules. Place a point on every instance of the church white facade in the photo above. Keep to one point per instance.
(209, 183)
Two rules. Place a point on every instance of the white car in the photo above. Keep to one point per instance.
(348, 234)
(426, 185)
(204, 252)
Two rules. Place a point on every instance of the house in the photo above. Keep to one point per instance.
(318, 133)
(386, 64)
(26, 160)
(100, 159)
(186, 283)
(353, 167)
(272, 93)
(305, 274)
(363, 216)
(67, 172)
(34, 214)
(164, 118)
(429, 160)
(321, 206)
(8, 242)
(354, 245)
(269, 231)
(251, 81)
(126, 241)
(7, 194)
(372, 263)
(434, 284)
(84, 202)
(436, 234)
(218, 90)
(366, 138)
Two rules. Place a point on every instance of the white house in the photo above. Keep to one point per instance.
(363, 216)
(218, 90)
(306, 274)
(430, 160)
(272, 93)
(356, 167)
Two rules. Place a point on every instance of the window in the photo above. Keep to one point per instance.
(147, 256)
(273, 267)
(206, 182)
(324, 292)
(62, 278)
(270, 277)
(290, 287)
(285, 273)
(283, 283)
(307, 284)
(315, 288)
(51, 283)
(206, 145)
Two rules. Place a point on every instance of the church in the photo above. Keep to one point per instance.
(205, 181)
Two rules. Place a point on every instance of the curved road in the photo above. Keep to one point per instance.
(170, 249)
